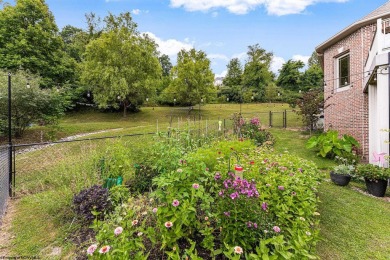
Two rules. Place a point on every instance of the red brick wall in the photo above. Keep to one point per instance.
(347, 111)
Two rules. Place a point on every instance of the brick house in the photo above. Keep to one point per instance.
(356, 69)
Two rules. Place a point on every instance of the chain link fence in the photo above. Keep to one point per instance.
(4, 178)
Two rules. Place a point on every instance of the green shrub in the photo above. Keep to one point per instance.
(330, 145)
(253, 130)
(372, 172)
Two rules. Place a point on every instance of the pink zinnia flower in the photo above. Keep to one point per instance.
(264, 206)
(154, 210)
(168, 224)
(118, 231)
(234, 195)
(276, 229)
(134, 222)
(175, 203)
(195, 186)
(281, 187)
(91, 249)
(104, 249)
(238, 250)
(293, 193)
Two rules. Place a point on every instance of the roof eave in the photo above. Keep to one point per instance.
(347, 31)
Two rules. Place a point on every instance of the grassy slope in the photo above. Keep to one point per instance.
(353, 226)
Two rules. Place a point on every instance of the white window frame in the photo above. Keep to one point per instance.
(338, 87)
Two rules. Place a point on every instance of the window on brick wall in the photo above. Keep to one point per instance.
(343, 71)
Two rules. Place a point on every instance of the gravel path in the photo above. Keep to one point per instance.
(69, 138)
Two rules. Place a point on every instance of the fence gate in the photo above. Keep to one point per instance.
(4, 177)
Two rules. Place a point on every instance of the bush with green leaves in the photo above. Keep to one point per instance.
(199, 212)
(329, 145)
(30, 105)
(252, 130)
(372, 172)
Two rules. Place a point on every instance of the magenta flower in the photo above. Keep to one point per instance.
(264, 206)
(175, 203)
(195, 186)
(227, 213)
(220, 193)
(291, 174)
(255, 225)
(281, 187)
(154, 210)
(118, 231)
(300, 169)
(276, 229)
(217, 176)
(234, 195)
(91, 249)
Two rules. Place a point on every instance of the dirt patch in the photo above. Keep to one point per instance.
(6, 237)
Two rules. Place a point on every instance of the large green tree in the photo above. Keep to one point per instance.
(192, 78)
(75, 40)
(290, 76)
(257, 74)
(29, 40)
(234, 73)
(121, 66)
(313, 76)
(30, 103)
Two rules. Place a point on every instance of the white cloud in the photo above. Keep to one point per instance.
(304, 59)
(218, 56)
(276, 64)
(136, 11)
(273, 7)
(222, 74)
(170, 47)
(241, 56)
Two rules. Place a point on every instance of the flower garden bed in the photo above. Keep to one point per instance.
(200, 209)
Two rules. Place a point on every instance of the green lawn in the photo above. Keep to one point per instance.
(353, 225)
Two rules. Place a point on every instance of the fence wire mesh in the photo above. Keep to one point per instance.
(4, 178)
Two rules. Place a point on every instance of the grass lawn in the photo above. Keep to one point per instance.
(353, 225)
(151, 119)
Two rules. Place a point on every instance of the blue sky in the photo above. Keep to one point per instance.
(224, 28)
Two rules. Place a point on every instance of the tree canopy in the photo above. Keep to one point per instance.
(257, 74)
(121, 65)
(29, 40)
(192, 78)
(234, 73)
(290, 76)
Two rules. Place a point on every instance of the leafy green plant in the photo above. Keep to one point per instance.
(253, 130)
(330, 145)
(142, 180)
(372, 172)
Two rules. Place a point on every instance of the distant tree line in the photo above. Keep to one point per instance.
(112, 65)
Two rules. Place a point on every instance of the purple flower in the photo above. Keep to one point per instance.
(175, 203)
(217, 176)
(255, 225)
(249, 224)
(220, 193)
(264, 206)
(227, 213)
(234, 195)
(195, 186)
(300, 169)
(281, 187)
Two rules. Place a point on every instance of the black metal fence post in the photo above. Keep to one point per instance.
(285, 118)
(270, 118)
